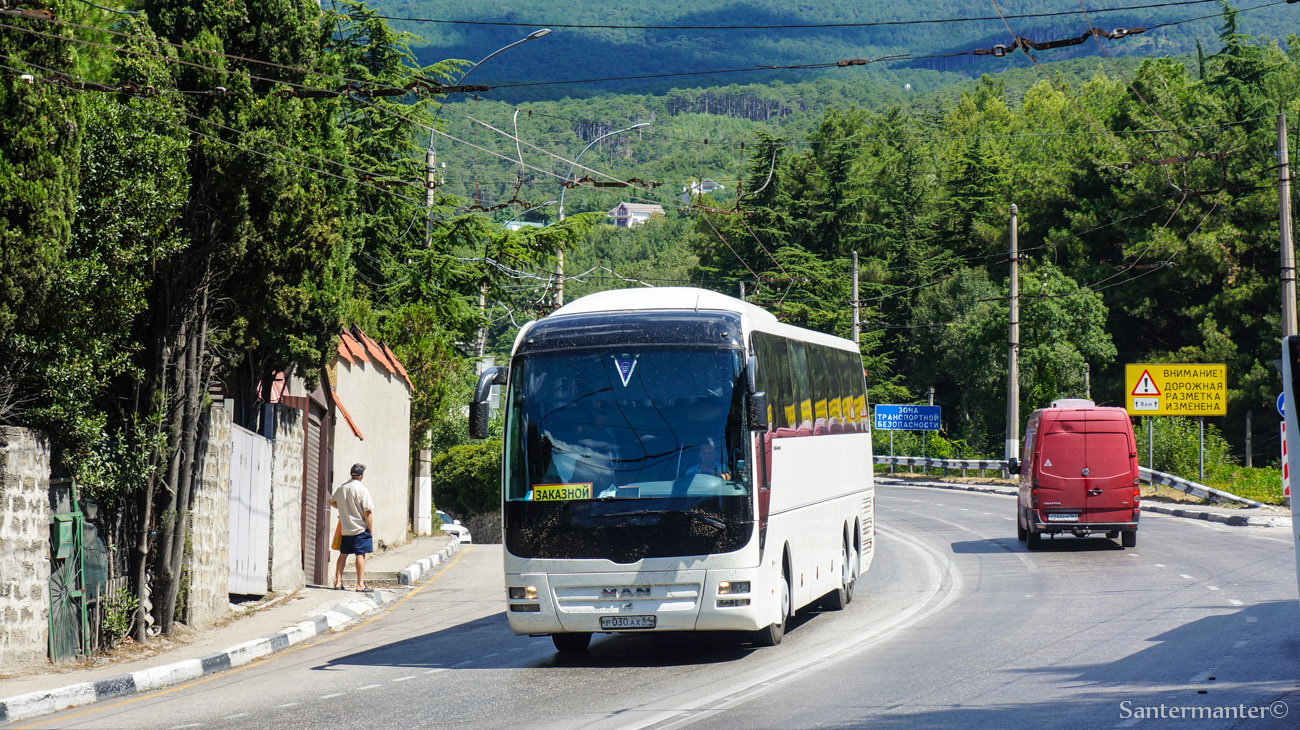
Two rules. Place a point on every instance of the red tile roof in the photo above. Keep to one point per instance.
(356, 347)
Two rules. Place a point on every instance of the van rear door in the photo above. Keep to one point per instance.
(1061, 460)
(1110, 455)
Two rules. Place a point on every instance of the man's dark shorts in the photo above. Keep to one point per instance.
(358, 544)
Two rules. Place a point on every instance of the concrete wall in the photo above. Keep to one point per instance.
(209, 559)
(24, 547)
(286, 501)
(379, 403)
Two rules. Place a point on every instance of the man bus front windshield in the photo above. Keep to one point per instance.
(657, 422)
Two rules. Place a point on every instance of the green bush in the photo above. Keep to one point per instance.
(118, 616)
(467, 478)
(1260, 484)
(1176, 447)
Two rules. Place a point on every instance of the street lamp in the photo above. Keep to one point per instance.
(430, 161)
(430, 158)
(559, 252)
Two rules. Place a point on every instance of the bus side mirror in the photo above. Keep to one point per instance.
(478, 410)
(751, 374)
(1013, 465)
(756, 411)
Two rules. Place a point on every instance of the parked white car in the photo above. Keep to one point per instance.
(453, 527)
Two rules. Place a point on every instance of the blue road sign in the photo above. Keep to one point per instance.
(1281, 404)
(907, 418)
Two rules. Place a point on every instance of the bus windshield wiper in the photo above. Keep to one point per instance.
(719, 524)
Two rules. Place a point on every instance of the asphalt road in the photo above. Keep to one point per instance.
(955, 626)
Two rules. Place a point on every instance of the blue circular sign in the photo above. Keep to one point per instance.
(1281, 405)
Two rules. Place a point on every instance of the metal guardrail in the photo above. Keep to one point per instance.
(923, 461)
(1154, 477)
(1192, 488)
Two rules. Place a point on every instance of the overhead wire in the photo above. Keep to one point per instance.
(784, 26)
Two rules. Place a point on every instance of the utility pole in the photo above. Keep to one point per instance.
(1013, 350)
(1249, 451)
(1087, 381)
(742, 291)
(1284, 228)
(430, 182)
(857, 329)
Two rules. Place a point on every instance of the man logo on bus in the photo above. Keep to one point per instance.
(640, 592)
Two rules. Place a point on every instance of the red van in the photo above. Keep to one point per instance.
(1078, 475)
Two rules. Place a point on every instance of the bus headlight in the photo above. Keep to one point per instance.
(518, 593)
(726, 588)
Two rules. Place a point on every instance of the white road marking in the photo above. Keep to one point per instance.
(1008, 519)
(403, 679)
(1129, 722)
(368, 686)
(1234, 601)
(1252, 619)
(1184, 575)
(1213, 588)
(1160, 565)
(287, 704)
(748, 687)
(963, 509)
(1203, 676)
(235, 716)
(435, 671)
(1241, 643)
(330, 697)
(192, 724)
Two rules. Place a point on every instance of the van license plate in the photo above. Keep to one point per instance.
(627, 622)
(1063, 518)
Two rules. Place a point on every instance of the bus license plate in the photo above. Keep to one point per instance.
(627, 622)
(1066, 517)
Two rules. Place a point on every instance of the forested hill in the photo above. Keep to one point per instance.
(927, 34)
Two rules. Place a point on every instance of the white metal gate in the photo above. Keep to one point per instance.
(250, 513)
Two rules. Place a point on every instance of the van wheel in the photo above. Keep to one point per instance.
(837, 599)
(1033, 540)
(772, 634)
(571, 643)
(1129, 538)
(1020, 526)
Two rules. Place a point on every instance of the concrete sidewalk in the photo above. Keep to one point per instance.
(253, 631)
(1267, 516)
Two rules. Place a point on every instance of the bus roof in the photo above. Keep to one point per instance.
(662, 297)
(693, 299)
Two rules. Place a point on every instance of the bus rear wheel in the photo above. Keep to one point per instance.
(839, 598)
(773, 633)
(571, 643)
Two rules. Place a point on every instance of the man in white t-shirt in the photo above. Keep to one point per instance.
(356, 514)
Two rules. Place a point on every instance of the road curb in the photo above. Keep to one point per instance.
(43, 702)
(1191, 513)
(417, 570)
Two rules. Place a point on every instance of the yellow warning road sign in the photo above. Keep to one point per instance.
(1173, 389)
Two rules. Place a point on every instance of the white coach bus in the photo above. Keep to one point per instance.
(678, 460)
(1291, 396)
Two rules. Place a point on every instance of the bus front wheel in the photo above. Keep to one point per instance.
(772, 635)
(571, 643)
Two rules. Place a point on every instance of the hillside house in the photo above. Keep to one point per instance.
(627, 215)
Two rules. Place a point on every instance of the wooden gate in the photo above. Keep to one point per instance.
(250, 513)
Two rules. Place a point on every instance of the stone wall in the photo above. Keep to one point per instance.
(24, 547)
(286, 501)
(208, 600)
